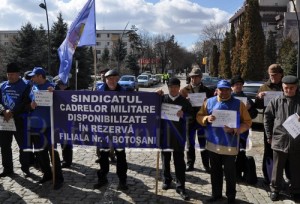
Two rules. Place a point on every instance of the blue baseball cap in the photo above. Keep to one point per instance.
(223, 84)
(37, 70)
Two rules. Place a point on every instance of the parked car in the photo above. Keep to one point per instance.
(155, 79)
(150, 78)
(159, 77)
(250, 89)
(144, 80)
(129, 82)
(210, 82)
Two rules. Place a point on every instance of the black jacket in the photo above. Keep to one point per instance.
(172, 133)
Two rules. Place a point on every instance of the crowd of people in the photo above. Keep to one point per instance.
(33, 129)
(222, 146)
(225, 146)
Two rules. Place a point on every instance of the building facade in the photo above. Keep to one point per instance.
(104, 39)
(109, 38)
(7, 36)
(277, 16)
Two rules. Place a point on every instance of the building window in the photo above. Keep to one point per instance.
(6, 35)
(98, 52)
(98, 43)
(6, 43)
(98, 35)
(108, 35)
(108, 43)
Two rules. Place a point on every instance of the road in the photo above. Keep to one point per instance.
(79, 180)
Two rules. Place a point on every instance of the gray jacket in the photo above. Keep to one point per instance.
(277, 111)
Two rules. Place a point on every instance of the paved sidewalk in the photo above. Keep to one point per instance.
(79, 180)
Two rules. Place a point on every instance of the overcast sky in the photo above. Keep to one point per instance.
(183, 18)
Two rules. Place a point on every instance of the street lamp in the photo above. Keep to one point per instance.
(298, 56)
(44, 6)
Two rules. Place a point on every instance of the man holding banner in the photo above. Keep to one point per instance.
(173, 136)
(111, 79)
(281, 122)
(40, 130)
(225, 118)
(195, 88)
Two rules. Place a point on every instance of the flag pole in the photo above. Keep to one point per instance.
(157, 172)
(52, 142)
(82, 32)
(95, 66)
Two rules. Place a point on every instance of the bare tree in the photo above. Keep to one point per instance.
(214, 33)
(147, 49)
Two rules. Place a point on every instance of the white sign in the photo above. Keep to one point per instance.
(7, 126)
(169, 111)
(243, 99)
(270, 95)
(292, 125)
(225, 117)
(197, 99)
(43, 98)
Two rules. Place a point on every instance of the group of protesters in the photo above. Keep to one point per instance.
(222, 147)
(280, 148)
(32, 124)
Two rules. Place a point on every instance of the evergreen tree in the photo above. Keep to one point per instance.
(288, 57)
(135, 40)
(29, 48)
(225, 61)
(132, 63)
(105, 56)
(119, 52)
(40, 48)
(84, 55)
(270, 50)
(252, 53)
(214, 62)
(232, 37)
(58, 34)
(236, 51)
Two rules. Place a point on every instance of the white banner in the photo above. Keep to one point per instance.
(7, 126)
(169, 111)
(43, 98)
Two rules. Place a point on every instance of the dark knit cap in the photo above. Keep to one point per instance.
(236, 79)
(289, 79)
(12, 67)
(174, 81)
(111, 73)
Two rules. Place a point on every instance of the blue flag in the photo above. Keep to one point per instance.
(81, 33)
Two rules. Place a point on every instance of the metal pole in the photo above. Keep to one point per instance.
(44, 6)
(76, 71)
(298, 56)
(48, 37)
